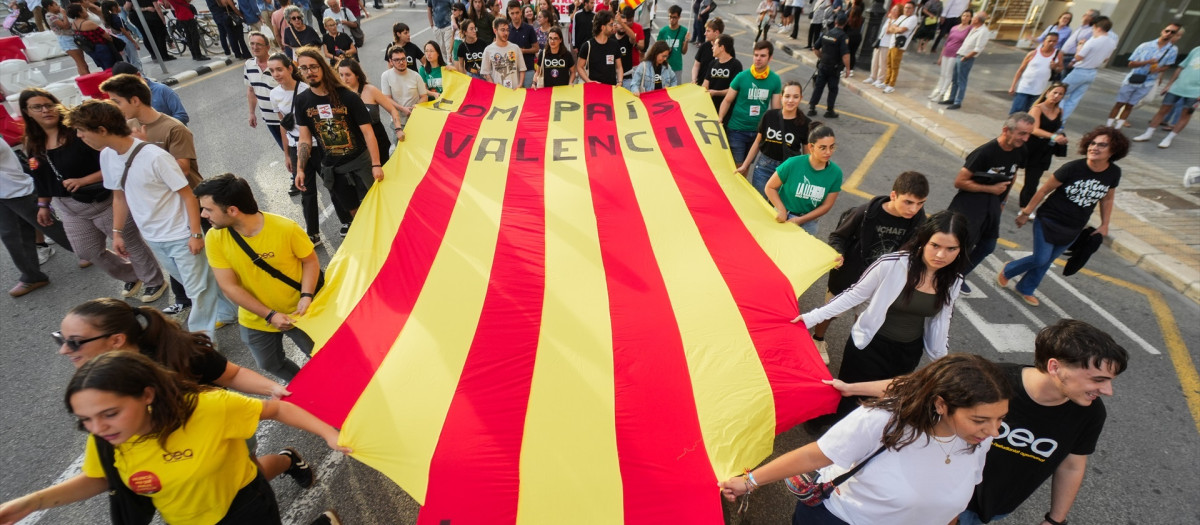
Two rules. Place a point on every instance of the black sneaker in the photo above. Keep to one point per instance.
(812, 112)
(130, 289)
(152, 293)
(316, 240)
(965, 289)
(831, 114)
(328, 517)
(299, 470)
(345, 229)
(292, 192)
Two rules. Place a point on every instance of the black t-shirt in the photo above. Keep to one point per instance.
(207, 367)
(582, 23)
(524, 37)
(556, 68)
(719, 76)
(73, 160)
(1034, 440)
(782, 138)
(834, 44)
(297, 39)
(472, 55)
(890, 233)
(1066, 211)
(337, 128)
(412, 55)
(341, 42)
(601, 60)
(704, 55)
(990, 158)
(625, 46)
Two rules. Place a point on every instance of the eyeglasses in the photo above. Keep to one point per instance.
(42, 107)
(74, 344)
(399, 59)
(1100, 145)
(295, 18)
(308, 68)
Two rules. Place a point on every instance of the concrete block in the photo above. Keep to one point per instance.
(1171, 271)
(1131, 247)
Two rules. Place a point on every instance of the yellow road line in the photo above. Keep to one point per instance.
(786, 69)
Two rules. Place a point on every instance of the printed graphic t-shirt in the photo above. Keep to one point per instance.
(783, 138)
(601, 60)
(674, 39)
(281, 243)
(556, 68)
(1066, 211)
(719, 76)
(205, 462)
(503, 65)
(804, 188)
(336, 128)
(1034, 440)
(753, 99)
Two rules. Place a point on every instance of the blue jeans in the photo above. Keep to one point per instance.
(764, 167)
(267, 349)
(971, 518)
(739, 144)
(818, 515)
(1022, 102)
(1078, 82)
(1034, 266)
(810, 226)
(962, 70)
(209, 305)
(982, 249)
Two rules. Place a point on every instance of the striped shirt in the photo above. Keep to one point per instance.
(261, 82)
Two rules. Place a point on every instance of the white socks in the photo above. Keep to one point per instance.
(1166, 142)
(1109, 122)
(1144, 136)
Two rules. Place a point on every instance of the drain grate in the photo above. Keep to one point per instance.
(1167, 198)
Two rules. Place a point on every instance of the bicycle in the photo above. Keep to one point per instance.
(177, 42)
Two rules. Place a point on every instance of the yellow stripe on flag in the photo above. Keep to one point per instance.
(783, 243)
(733, 397)
(397, 421)
(570, 419)
(364, 251)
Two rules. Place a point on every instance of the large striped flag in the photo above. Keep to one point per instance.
(564, 306)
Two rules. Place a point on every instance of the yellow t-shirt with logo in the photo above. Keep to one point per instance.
(203, 467)
(281, 243)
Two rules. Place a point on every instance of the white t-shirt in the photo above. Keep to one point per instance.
(13, 180)
(281, 99)
(1095, 51)
(914, 486)
(909, 23)
(342, 15)
(503, 65)
(151, 191)
(406, 89)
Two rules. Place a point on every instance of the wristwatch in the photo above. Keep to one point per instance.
(197, 235)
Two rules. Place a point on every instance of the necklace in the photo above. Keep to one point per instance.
(940, 443)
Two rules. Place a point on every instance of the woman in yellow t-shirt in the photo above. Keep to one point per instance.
(179, 444)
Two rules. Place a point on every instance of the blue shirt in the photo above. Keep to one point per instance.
(1151, 51)
(441, 12)
(164, 100)
(250, 12)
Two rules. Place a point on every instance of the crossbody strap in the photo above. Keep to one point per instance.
(849, 473)
(129, 162)
(271, 270)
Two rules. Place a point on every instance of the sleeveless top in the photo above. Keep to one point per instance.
(372, 109)
(1040, 148)
(1037, 74)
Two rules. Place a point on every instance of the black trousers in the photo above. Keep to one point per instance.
(156, 34)
(192, 32)
(881, 359)
(814, 33)
(254, 504)
(825, 77)
(855, 42)
(943, 31)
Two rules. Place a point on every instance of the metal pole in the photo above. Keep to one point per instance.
(869, 32)
(148, 38)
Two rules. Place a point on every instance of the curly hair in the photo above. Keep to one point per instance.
(1118, 143)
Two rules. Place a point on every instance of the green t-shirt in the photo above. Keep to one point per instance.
(753, 99)
(432, 78)
(674, 38)
(803, 187)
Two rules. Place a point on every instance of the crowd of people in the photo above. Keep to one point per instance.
(125, 172)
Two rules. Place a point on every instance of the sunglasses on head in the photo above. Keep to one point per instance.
(74, 344)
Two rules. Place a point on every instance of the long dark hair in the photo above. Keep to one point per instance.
(948, 222)
(129, 374)
(959, 380)
(155, 335)
(35, 137)
(330, 82)
(357, 71)
(282, 58)
(441, 58)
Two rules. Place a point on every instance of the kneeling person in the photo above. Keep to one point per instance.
(265, 264)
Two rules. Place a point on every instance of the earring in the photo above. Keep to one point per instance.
(150, 410)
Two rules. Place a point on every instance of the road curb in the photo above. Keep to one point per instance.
(1165, 267)
(183, 76)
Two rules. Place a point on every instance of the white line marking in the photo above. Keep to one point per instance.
(72, 470)
(1012, 301)
(1104, 313)
(1041, 297)
(1005, 338)
(303, 509)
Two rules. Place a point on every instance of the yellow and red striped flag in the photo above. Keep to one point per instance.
(564, 306)
(631, 3)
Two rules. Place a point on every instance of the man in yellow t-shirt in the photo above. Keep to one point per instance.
(266, 304)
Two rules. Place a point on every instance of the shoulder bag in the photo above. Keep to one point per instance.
(1138, 79)
(82, 42)
(288, 122)
(812, 492)
(125, 506)
(271, 270)
(900, 38)
(356, 32)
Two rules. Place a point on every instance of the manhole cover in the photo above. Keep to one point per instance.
(1167, 199)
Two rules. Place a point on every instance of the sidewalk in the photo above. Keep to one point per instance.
(1156, 222)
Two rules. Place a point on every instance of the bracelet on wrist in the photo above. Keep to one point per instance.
(43, 204)
(376, 165)
(117, 231)
(270, 315)
(306, 294)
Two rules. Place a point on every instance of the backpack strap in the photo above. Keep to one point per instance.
(129, 162)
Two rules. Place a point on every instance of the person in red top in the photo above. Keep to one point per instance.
(187, 20)
(629, 26)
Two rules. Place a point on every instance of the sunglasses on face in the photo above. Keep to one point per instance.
(295, 18)
(74, 344)
(1099, 145)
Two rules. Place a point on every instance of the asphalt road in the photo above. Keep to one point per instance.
(1143, 472)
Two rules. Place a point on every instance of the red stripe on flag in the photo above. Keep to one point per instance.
(762, 292)
(354, 352)
(474, 476)
(666, 471)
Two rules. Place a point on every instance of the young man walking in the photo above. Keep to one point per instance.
(403, 85)
(1147, 61)
(265, 264)
(750, 95)
(1091, 56)
(149, 187)
(600, 57)
(503, 64)
(706, 50)
(675, 35)
(524, 37)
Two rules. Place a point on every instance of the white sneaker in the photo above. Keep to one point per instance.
(1144, 136)
(1166, 142)
(879, 84)
(44, 253)
(869, 80)
(821, 350)
(889, 89)
(850, 74)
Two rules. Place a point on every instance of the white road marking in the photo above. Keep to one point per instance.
(72, 470)
(1005, 338)
(1062, 314)
(304, 508)
(1104, 313)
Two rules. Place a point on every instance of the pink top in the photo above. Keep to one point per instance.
(954, 41)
